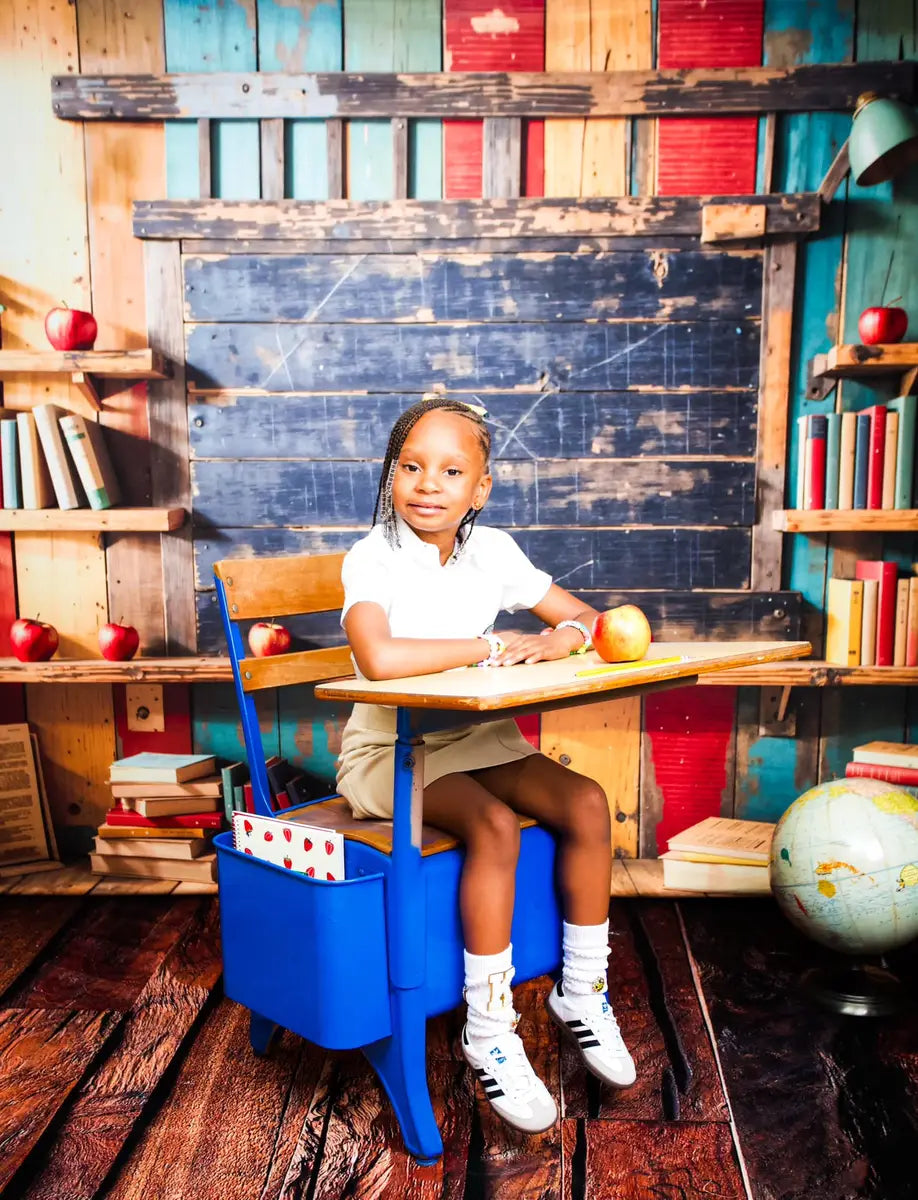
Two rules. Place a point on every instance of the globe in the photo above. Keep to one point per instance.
(844, 865)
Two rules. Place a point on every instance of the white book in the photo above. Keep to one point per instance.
(90, 457)
(61, 468)
(37, 491)
(886, 754)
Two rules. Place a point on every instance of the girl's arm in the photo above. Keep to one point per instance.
(381, 656)
(558, 605)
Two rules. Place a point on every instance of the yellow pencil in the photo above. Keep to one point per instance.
(629, 666)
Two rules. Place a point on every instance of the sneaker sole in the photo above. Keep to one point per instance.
(572, 1037)
(505, 1117)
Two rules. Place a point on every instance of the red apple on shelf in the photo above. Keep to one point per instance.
(267, 637)
(33, 641)
(71, 329)
(621, 634)
(117, 642)
(882, 324)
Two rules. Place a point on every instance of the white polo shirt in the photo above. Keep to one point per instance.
(423, 599)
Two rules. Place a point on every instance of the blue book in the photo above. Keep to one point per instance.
(148, 767)
(861, 459)
(9, 462)
(833, 445)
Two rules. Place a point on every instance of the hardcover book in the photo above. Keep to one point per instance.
(816, 463)
(135, 820)
(907, 408)
(729, 838)
(207, 785)
(169, 806)
(861, 459)
(110, 831)
(833, 456)
(148, 767)
(196, 870)
(846, 460)
(37, 491)
(887, 754)
(861, 770)
(911, 621)
(9, 459)
(901, 630)
(175, 848)
(63, 474)
(889, 459)
(877, 416)
(86, 444)
(869, 623)
(844, 618)
(886, 574)
(688, 876)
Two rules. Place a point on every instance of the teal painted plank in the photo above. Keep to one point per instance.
(215, 721)
(393, 35)
(302, 38)
(771, 772)
(852, 716)
(212, 35)
(310, 730)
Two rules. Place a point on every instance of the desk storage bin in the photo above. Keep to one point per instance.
(307, 954)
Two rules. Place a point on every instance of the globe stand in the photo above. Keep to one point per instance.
(857, 989)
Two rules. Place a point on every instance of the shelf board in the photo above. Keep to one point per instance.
(213, 669)
(85, 520)
(107, 364)
(851, 361)
(829, 520)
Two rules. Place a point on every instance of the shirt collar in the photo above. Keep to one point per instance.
(418, 550)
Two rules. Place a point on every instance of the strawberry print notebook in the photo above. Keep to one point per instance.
(318, 853)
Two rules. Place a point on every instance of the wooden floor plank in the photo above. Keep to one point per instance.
(213, 1138)
(104, 1110)
(44, 1054)
(799, 1076)
(28, 926)
(69, 881)
(107, 954)
(637, 1160)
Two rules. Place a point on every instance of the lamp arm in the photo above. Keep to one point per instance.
(835, 174)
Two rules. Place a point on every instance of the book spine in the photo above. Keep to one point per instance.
(906, 775)
(861, 459)
(846, 460)
(907, 408)
(869, 623)
(901, 629)
(9, 453)
(890, 445)
(833, 454)
(36, 483)
(816, 458)
(59, 462)
(84, 458)
(885, 573)
(877, 416)
(911, 634)
(800, 496)
(844, 615)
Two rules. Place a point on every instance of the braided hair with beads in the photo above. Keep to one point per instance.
(384, 511)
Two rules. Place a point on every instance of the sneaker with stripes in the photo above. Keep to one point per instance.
(514, 1090)
(591, 1025)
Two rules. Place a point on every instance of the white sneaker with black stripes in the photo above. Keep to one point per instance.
(514, 1090)
(591, 1024)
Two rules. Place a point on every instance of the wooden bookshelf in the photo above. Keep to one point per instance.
(215, 669)
(855, 360)
(86, 367)
(85, 520)
(857, 520)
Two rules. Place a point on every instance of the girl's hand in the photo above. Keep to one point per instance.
(532, 648)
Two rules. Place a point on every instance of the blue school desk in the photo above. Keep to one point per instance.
(363, 962)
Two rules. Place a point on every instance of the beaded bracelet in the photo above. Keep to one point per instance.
(581, 628)
(497, 647)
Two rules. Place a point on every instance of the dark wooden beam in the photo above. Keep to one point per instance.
(813, 88)
(416, 220)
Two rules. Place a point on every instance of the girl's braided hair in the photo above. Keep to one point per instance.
(384, 511)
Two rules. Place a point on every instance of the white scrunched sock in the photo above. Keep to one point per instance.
(586, 956)
(488, 994)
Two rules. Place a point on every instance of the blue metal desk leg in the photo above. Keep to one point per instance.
(400, 1060)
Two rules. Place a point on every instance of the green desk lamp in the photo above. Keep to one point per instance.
(883, 141)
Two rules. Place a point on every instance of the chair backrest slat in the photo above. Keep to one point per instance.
(303, 666)
(281, 587)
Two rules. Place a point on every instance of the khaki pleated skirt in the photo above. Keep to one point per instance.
(366, 765)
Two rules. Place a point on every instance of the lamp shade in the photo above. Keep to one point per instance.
(884, 139)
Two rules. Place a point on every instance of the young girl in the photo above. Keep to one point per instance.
(422, 591)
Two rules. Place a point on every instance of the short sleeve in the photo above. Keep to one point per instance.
(523, 584)
(365, 576)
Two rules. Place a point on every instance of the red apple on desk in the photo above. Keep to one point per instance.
(117, 642)
(267, 637)
(71, 329)
(621, 634)
(33, 641)
(882, 324)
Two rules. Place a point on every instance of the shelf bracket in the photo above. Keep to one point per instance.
(774, 720)
(818, 386)
(85, 384)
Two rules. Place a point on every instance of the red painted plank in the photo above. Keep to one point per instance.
(691, 739)
(530, 728)
(175, 739)
(482, 37)
(697, 157)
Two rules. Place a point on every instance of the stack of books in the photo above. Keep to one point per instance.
(872, 619)
(858, 460)
(720, 854)
(50, 458)
(165, 810)
(893, 762)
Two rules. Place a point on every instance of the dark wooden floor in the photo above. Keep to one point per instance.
(124, 1073)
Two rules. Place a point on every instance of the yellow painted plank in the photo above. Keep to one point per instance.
(591, 157)
(60, 578)
(603, 742)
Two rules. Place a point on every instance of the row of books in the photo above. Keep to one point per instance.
(720, 854)
(51, 458)
(859, 460)
(872, 619)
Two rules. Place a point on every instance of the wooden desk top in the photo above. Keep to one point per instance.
(474, 689)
